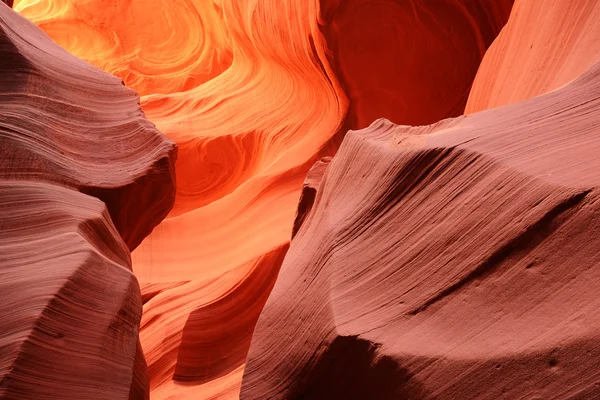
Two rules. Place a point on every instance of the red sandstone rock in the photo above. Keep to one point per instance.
(69, 302)
(67, 122)
(70, 305)
(452, 261)
(216, 337)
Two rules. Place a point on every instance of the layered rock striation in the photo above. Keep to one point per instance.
(455, 260)
(84, 177)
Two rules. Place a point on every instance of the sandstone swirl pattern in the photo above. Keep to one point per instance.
(84, 177)
(249, 90)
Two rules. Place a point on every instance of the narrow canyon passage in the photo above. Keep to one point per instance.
(253, 93)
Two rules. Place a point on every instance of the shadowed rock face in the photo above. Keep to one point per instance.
(351, 368)
(309, 192)
(467, 250)
(412, 62)
(83, 178)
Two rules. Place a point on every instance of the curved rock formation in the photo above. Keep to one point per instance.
(544, 46)
(412, 62)
(67, 122)
(216, 337)
(71, 136)
(246, 90)
(69, 302)
(436, 258)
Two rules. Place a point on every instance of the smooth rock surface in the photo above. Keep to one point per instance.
(412, 62)
(544, 45)
(456, 260)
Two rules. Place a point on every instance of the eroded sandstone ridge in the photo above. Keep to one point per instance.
(84, 177)
(453, 261)
(456, 260)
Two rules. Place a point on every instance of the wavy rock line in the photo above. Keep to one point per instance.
(71, 312)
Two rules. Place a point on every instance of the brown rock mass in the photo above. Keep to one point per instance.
(412, 62)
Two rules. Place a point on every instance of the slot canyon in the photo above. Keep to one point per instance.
(299, 199)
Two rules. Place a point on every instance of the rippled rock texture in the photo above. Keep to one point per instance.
(451, 261)
(424, 260)
(67, 122)
(254, 93)
(84, 177)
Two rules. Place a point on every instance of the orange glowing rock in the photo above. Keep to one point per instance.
(544, 46)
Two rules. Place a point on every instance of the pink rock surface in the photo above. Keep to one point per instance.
(84, 177)
(70, 304)
(67, 122)
(451, 261)
(544, 45)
